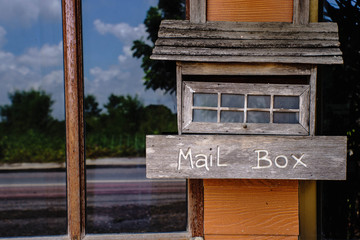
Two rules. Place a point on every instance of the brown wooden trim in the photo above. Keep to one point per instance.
(74, 92)
(187, 10)
(196, 207)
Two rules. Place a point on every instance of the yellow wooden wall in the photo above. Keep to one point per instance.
(251, 209)
(250, 11)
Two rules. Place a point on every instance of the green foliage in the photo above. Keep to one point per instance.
(119, 131)
(158, 74)
(28, 110)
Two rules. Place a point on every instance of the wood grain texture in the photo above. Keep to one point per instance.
(141, 236)
(313, 87)
(196, 207)
(198, 11)
(251, 207)
(250, 11)
(324, 157)
(301, 12)
(179, 96)
(314, 43)
(307, 210)
(319, 27)
(74, 95)
(254, 59)
(259, 69)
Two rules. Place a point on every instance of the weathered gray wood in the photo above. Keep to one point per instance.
(314, 43)
(301, 12)
(179, 96)
(194, 68)
(317, 27)
(188, 126)
(236, 156)
(294, 52)
(245, 128)
(247, 35)
(313, 77)
(255, 59)
(304, 105)
(240, 43)
(248, 88)
(198, 11)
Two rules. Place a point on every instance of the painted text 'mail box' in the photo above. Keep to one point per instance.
(252, 157)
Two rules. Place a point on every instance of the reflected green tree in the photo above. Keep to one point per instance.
(27, 110)
(28, 132)
(158, 74)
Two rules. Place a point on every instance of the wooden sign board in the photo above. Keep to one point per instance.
(250, 157)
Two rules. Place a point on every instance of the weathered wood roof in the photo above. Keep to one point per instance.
(314, 43)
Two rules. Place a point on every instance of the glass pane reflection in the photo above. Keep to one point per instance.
(119, 112)
(232, 100)
(32, 128)
(258, 101)
(205, 100)
(232, 116)
(280, 117)
(258, 117)
(286, 102)
(204, 115)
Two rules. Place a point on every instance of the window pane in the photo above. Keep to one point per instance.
(205, 100)
(32, 128)
(258, 101)
(231, 116)
(232, 100)
(286, 102)
(280, 117)
(258, 117)
(119, 112)
(204, 115)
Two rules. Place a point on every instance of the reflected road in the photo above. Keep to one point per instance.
(28, 199)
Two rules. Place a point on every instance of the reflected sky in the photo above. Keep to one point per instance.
(31, 55)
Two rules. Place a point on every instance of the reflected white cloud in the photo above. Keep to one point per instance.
(26, 12)
(2, 36)
(46, 56)
(31, 71)
(123, 31)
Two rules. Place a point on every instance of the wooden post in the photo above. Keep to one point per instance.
(74, 91)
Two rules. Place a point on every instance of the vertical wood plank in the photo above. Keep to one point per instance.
(313, 87)
(73, 74)
(198, 11)
(301, 11)
(187, 9)
(250, 10)
(307, 209)
(251, 207)
(314, 10)
(196, 207)
(178, 96)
